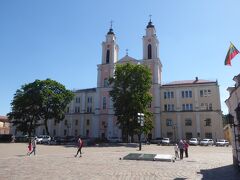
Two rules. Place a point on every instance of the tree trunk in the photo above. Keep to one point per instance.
(46, 126)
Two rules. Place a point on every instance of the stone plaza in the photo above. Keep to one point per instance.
(105, 162)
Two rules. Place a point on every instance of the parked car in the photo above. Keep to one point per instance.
(156, 141)
(43, 139)
(165, 141)
(114, 139)
(193, 141)
(206, 142)
(222, 142)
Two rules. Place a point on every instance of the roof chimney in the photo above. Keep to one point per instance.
(196, 79)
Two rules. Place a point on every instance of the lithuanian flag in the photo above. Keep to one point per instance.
(232, 52)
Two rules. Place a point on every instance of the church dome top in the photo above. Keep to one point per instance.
(150, 25)
(110, 31)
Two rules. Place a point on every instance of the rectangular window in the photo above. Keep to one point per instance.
(170, 135)
(208, 122)
(87, 132)
(104, 103)
(182, 94)
(89, 99)
(210, 106)
(77, 99)
(188, 135)
(188, 122)
(168, 122)
(76, 132)
(172, 94)
(165, 95)
(209, 92)
(183, 107)
(186, 94)
(169, 95)
(165, 107)
(190, 94)
(190, 107)
(65, 122)
(67, 111)
(54, 132)
(76, 122)
(65, 132)
(88, 122)
(208, 135)
(201, 93)
(89, 109)
(77, 109)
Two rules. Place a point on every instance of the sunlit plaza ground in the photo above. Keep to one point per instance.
(58, 162)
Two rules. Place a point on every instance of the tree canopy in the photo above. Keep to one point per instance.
(130, 95)
(40, 100)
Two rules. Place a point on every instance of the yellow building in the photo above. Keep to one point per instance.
(4, 125)
(191, 109)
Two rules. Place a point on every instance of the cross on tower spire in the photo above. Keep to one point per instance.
(111, 23)
(150, 18)
(111, 30)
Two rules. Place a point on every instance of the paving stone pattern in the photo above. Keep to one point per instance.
(103, 163)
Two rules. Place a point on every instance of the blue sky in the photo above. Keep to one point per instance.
(62, 40)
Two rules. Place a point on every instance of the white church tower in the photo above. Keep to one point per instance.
(152, 60)
(104, 115)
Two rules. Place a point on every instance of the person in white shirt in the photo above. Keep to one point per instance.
(176, 151)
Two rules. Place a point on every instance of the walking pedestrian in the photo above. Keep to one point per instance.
(79, 145)
(176, 151)
(181, 148)
(29, 146)
(34, 144)
(186, 145)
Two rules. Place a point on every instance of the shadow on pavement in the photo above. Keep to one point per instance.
(222, 173)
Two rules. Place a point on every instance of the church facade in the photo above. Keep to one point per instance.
(181, 109)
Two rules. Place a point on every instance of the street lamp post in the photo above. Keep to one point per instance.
(141, 123)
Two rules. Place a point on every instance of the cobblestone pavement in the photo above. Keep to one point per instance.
(58, 162)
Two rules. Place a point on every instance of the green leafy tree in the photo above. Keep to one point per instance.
(40, 100)
(130, 94)
(25, 113)
(54, 100)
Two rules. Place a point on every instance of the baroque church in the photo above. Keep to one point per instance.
(181, 109)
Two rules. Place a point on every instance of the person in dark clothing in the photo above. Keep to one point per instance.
(181, 148)
(79, 145)
(186, 145)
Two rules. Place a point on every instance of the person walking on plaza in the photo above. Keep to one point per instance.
(29, 146)
(181, 148)
(176, 151)
(79, 145)
(34, 144)
(186, 145)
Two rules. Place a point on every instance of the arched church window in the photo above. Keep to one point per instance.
(149, 51)
(107, 56)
